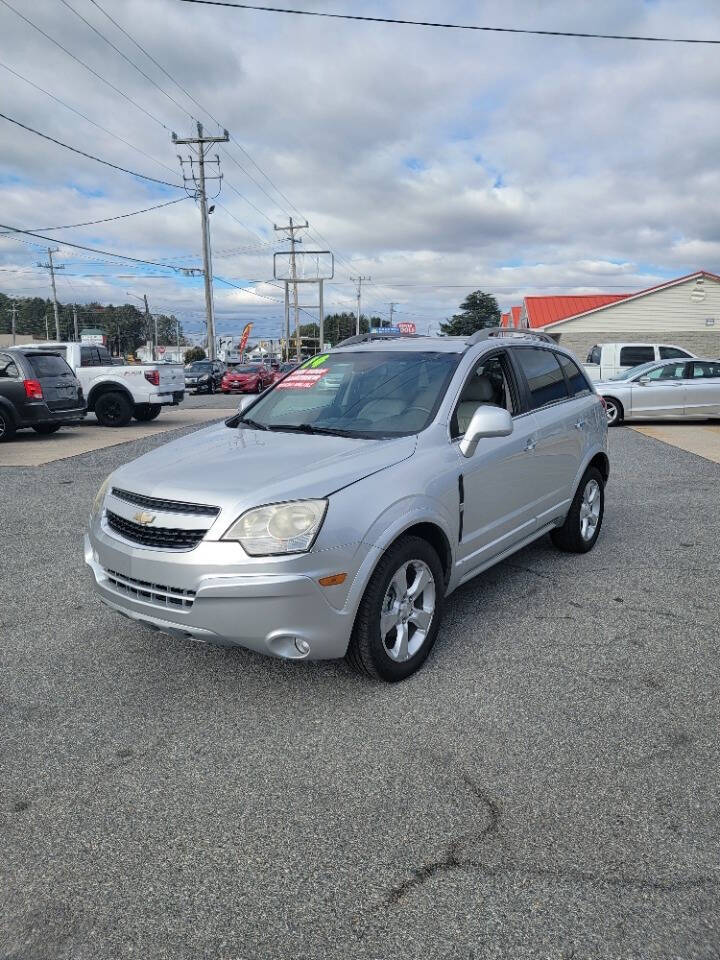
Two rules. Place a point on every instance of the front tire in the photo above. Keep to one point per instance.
(144, 412)
(582, 525)
(614, 412)
(113, 409)
(400, 613)
(46, 428)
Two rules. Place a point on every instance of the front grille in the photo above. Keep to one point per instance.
(156, 593)
(169, 538)
(167, 506)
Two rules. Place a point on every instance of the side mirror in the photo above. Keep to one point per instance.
(245, 402)
(487, 421)
(644, 381)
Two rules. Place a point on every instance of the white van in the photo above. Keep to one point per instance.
(607, 360)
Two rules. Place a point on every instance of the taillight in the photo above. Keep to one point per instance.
(153, 377)
(33, 389)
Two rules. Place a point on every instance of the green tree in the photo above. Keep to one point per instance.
(194, 353)
(477, 311)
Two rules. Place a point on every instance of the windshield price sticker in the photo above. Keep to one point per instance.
(302, 379)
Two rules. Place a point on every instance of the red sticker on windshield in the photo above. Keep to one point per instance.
(302, 379)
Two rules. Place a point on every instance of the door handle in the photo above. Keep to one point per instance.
(579, 424)
(531, 444)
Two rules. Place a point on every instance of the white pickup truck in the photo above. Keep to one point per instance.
(119, 392)
(607, 360)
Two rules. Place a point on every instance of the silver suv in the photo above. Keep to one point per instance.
(334, 514)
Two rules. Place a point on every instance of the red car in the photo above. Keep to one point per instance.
(247, 378)
(279, 371)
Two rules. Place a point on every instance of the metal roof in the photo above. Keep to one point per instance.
(544, 310)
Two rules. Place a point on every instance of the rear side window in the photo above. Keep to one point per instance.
(48, 365)
(543, 374)
(594, 355)
(8, 370)
(104, 356)
(672, 353)
(632, 356)
(706, 369)
(577, 381)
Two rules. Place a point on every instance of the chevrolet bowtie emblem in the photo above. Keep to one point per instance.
(144, 518)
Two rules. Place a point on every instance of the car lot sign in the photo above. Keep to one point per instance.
(161, 350)
(406, 327)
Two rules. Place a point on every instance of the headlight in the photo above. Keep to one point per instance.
(279, 528)
(100, 496)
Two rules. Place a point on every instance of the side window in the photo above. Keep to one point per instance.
(670, 371)
(577, 381)
(489, 383)
(544, 376)
(634, 356)
(705, 369)
(672, 353)
(595, 355)
(8, 370)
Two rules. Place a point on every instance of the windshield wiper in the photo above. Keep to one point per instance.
(309, 428)
(252, 423)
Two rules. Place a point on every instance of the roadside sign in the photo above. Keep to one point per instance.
(407, 327)
(161, 350)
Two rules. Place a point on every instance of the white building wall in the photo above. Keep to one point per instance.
(691, 306)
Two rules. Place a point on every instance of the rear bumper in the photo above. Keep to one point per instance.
(172, 398)
(33, 414)
(226, 605)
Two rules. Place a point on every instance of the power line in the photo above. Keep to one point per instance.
(121, 216)
(82, 63)
(446, 26)
(90, 156)
(84, 116)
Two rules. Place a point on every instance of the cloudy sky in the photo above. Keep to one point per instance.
(433, 161)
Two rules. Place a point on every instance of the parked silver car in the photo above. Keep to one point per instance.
(668, 389)
(321, 522)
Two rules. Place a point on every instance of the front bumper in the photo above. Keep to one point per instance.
(226, 604)
(234, 387)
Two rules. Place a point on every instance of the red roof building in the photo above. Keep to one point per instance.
(540, 311)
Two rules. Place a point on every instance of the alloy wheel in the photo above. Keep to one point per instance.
(407, 610)
(611, 411)
(2, 426)
(590, 510)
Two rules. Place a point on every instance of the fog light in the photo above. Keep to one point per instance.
(302, 646)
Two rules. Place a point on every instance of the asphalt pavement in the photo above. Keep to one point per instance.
(546, 787)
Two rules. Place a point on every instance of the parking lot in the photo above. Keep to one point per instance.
(546, 787)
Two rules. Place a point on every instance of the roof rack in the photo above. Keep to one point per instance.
(367, 337)
(489, 332)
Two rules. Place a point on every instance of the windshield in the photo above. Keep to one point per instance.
(198, 367)
(635, 371)
(247, 368)
(359, 394)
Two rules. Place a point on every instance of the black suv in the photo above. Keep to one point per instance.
(37, 390)
(204, 375)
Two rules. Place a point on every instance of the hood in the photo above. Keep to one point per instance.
(240, 467)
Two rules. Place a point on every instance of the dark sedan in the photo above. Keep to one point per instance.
(247, 378)
(204, 376)
(38, 390)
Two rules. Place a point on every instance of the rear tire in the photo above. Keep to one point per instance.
(7, 426)
(46, 428)
(144, 412)
(614, 412)
(399, 615)
(582, 525)
(113, 409)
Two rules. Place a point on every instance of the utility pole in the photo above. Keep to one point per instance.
(152, 329)
(52, 268)
(201, 142)
(13, 310)
(359, 281)
(75, 324)
(47, 331)
(392, 310)
(291, 228)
